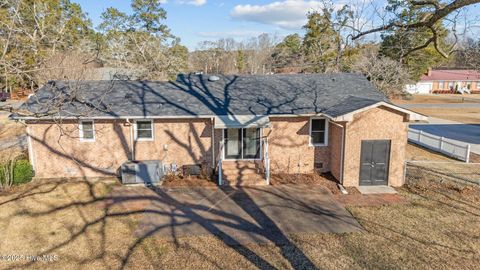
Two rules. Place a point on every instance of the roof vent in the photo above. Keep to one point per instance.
(213, 78)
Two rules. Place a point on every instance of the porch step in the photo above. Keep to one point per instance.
(242, 173)
(255, 180)
(235, 171)
(240, 164)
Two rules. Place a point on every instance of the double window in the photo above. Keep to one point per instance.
(87, 131)
(318, 131)
(242, 143)
(144, 130)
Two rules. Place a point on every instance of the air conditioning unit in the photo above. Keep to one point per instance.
(148, 172)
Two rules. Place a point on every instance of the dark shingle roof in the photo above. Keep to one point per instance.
(195, 95)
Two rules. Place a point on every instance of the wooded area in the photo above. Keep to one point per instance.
(54, 39)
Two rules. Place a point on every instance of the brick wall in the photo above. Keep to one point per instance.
(376, 124)
(290, 151)
(187, 142)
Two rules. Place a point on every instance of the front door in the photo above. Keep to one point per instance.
(374, 162)
(242, 143)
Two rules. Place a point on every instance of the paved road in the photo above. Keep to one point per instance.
(20, 141)
(456, 131)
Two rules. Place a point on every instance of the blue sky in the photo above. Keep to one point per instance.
(197, 20)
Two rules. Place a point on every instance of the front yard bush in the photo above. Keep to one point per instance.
(22, 172)
(15, 172)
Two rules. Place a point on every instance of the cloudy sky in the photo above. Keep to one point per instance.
(197, 20)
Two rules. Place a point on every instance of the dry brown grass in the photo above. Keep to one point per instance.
(463, 115)
(417, 153)
(78, 222)
(435, 99)
(188, 181)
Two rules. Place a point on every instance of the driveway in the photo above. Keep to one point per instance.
(454, 131)
(240, 216)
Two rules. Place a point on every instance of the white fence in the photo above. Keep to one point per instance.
(457, 150)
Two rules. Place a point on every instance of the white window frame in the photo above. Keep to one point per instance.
(326, 132)
(80, 130)
(136, 133)
(242, 159)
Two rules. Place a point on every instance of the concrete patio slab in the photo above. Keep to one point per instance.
(240, 216)
(376, 190)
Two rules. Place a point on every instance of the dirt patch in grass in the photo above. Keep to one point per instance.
(462, 115)
(188, 181)
(325, 179)
(79, 222)
(436, 99)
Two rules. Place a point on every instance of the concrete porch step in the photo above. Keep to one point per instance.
(235, 171)
(245, 182)
(240, 164)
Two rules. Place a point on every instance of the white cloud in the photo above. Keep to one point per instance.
(288, 14)
(231, 34)
(193, 2)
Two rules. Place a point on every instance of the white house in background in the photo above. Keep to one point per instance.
(445, 81)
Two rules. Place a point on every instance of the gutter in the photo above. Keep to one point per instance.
(131, 139)
(11, 117)
(342, 152)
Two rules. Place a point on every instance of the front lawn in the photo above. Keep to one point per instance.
(83, 227)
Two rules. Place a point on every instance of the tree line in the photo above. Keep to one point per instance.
(54, 39)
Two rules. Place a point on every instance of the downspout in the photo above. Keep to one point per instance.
(30, 148)
(131, 139)
(342, 151)
(213, 142)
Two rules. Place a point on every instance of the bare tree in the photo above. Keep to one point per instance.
(388, 75)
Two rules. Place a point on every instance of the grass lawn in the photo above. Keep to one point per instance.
(463, 115)
(79, 222)
(443, 98)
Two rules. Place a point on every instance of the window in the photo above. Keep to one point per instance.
(87, 131)
(318, 131)
(469, 85)
(242, 143)
(441, 85)
(143, 130)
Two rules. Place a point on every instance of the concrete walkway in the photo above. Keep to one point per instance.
(377, 190)
(454, 131)
(239, 216)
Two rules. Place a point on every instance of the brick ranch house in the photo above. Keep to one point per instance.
(245, 127)
(446, 81)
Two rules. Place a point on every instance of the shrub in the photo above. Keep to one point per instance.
(22, 172)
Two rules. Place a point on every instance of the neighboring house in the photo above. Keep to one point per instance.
(447, 81)
(246, 126)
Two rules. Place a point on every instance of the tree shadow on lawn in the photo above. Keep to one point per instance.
(95, 227)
